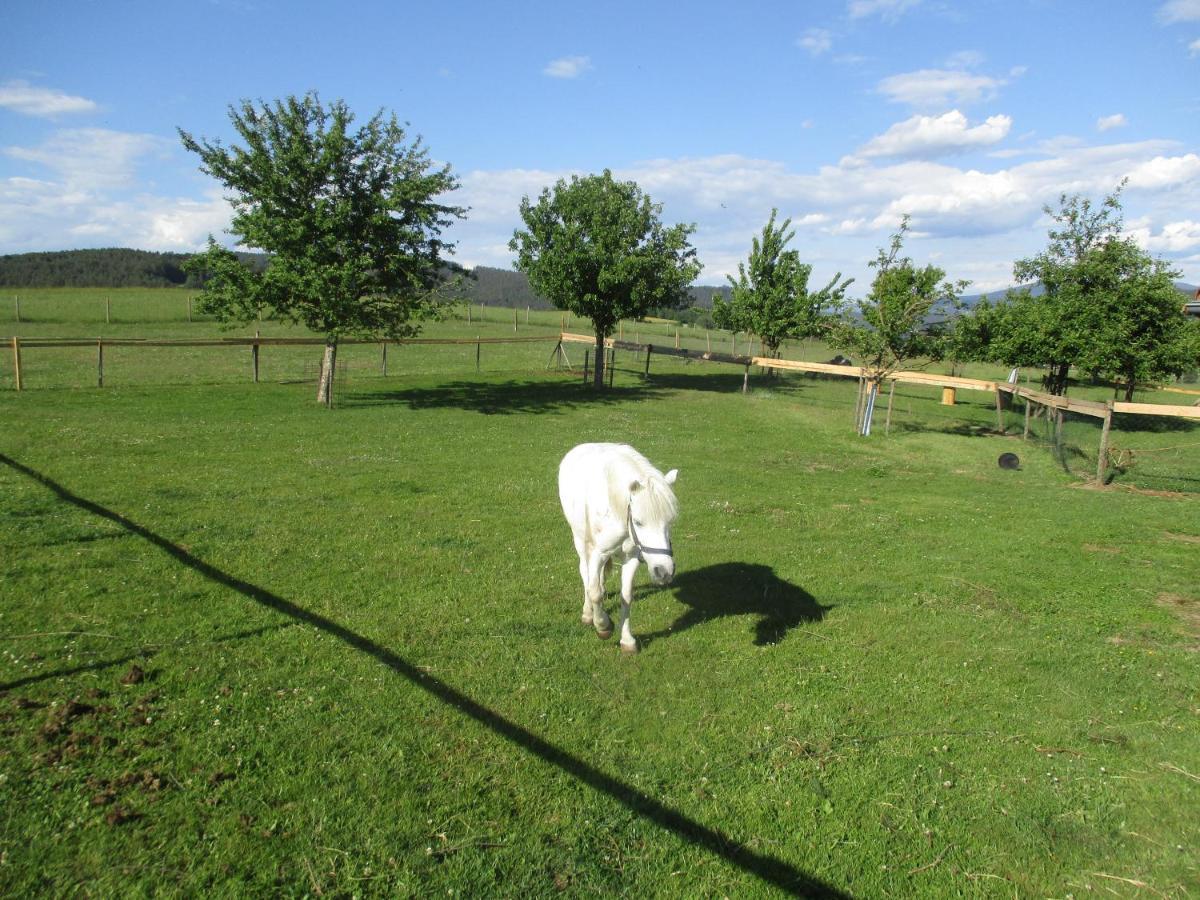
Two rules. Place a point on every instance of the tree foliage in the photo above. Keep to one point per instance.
(1054, 328)
(1138, 332)
(595, 246)
(770, 296)
(351, 220)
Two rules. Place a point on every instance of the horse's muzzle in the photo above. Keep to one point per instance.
(662, 575)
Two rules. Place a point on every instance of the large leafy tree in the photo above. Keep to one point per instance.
(770, 296)
(904, 317)
(596, 246)
(1138, 330)
(1055, 327)
(352, 220)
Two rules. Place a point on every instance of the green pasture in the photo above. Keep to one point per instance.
(253, 647)
(1146, 453)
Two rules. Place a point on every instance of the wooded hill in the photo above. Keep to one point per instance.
(116, 268)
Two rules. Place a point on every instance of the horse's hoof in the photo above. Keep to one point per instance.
(629, 649)
(604, 635)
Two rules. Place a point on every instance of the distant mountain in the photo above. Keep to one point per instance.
(1187, 290)
(112, 268)
(504, 287)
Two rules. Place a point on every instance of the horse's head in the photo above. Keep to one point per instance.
(652, 511)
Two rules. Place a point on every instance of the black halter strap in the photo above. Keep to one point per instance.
(641, 548)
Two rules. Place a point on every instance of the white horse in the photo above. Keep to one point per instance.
(617, 504)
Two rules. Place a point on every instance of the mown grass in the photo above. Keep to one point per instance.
(887, 667)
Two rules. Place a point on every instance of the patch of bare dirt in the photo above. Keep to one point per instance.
(1186, 609)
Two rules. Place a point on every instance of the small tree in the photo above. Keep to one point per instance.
(770, 296)
(902, 319)
(350, 219)
(596, 247)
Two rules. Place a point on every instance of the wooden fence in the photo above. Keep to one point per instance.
(1056, 404)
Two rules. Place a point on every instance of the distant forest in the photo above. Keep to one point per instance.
(115, 268)
(112, 268)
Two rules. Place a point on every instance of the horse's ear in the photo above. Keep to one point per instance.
(670, 477)
(635, 486)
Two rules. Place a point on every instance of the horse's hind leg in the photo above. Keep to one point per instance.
(581, 549)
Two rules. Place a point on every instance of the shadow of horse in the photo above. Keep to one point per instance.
(740, 589)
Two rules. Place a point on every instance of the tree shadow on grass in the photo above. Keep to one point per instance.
(741, 589)
(768, 868)
(491, 398)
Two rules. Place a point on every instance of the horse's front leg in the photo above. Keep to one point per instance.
(594, 594)
(628, 570)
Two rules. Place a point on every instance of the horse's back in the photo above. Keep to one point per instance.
(584, 474)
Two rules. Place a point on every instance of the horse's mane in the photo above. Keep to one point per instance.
(656, 500)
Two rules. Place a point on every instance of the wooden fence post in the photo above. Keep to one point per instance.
(746, 381)
(887, 425)
(676, 338)
(477, 351)
(1102, 462)
(108, 310)
(254, 356)
(707, 340)
(586, 363)
(468, 313)
(999, 413)
(16, 345)
(1028, 408)
(649, 350)
(384, 364)
(514, 319)
(100, 362)
(189, 302)
(612, 365)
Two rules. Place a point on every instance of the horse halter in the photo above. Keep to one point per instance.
(641, 548)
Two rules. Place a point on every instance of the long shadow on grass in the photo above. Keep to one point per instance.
(768, 868)
(504, 398)
(741, 589)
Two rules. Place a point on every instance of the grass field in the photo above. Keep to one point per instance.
(249, 646)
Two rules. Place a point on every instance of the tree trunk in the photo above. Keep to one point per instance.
(1129, 387)
(328, 367)
(598, 375)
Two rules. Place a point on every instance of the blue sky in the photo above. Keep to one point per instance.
(844, 114)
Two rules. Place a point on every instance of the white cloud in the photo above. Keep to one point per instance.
(1165, 172)
(23, 97)
(933, 136)
(889, 10)
(1173, 237)
(1107, 123)
(939, 87)
(1194, 48)
(568, 67)
(1179, 11)
(964, 59)
(92, 159)
(816, 41)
